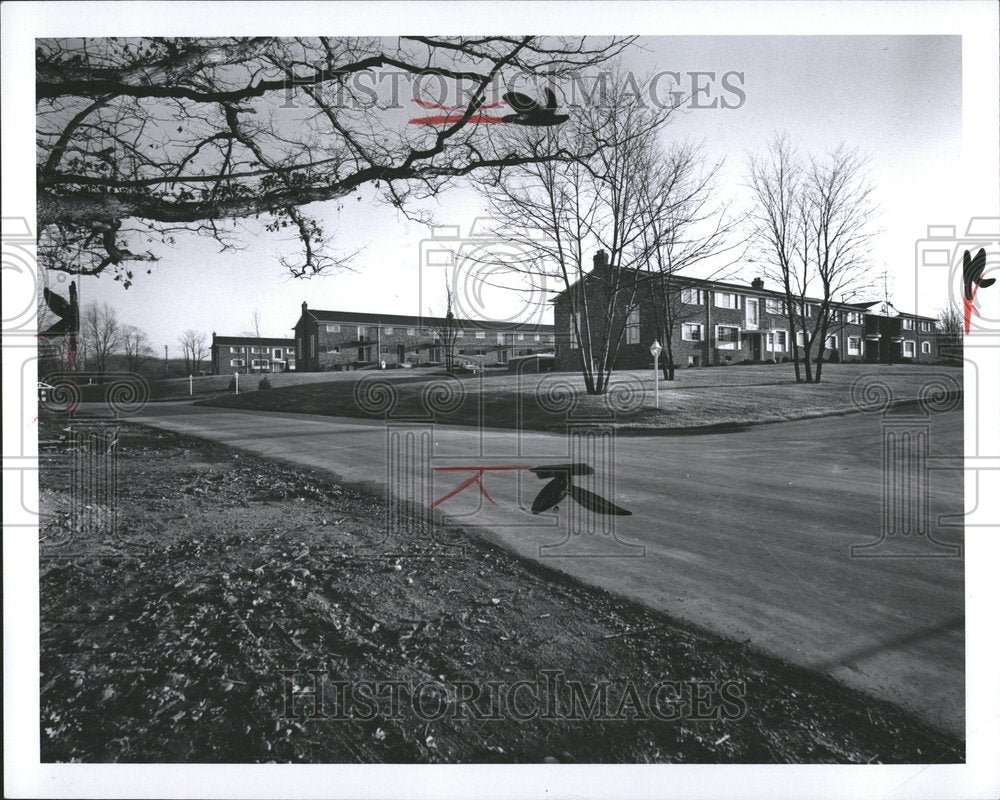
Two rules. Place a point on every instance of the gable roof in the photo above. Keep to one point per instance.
(252, 340)
(406, 320)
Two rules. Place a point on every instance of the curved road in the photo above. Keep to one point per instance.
(747, 534)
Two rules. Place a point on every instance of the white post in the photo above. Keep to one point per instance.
(190, 385)
(656, 349)
(237, 376)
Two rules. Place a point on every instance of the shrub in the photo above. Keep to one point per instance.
(232, 385)
(264, 384)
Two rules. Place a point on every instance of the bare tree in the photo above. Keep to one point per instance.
(141, 137)
(194, 348)
(554, 212)
(950, 327)
(813, 226)
(101, 333)
(135, 347)
(448, 329)
(254, 333)
(691, 228)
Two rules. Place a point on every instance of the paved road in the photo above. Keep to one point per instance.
(747, 534)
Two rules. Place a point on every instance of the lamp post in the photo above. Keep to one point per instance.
(236, 375)
(656, 349)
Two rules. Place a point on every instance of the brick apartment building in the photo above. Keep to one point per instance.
(249, 354)
(339, 340)
(717, 322)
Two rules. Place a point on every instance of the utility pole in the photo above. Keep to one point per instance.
(164, 356)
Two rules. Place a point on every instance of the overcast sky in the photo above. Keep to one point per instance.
(896, 97)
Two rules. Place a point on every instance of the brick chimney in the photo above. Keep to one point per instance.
(600, 260)
(757, 283)
(305, 306)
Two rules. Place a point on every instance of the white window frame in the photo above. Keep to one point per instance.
(411, 331)
(925, 348)
(693, 297)
(684, 331)
(800, 339)
(333, 329)
(574, 342)
(236, 362)
(783, 348)
(500, 339)
(632, 330)
(538, 337)
(733, 296)
(459, 333)
(233, 350)
(480, 334)
(387, 331)
(913, 348)
(520, 337)
(854, 350)
(362, 333)
(835, 342)
(774, 305)
(332, 348)
(908, 324)
(734, 345)
(854, 318)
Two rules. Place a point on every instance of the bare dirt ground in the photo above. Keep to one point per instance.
(179, 635)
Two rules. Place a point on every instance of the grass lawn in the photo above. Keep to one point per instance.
(718, 396)
(172, 636)
(210, 385)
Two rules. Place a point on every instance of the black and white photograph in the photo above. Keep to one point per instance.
(514, 399)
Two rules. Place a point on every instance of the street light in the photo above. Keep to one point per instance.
(656, 349)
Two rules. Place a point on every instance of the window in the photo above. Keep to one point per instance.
(236, 362)
(727, 337)
(909, 350)
(277, 352)
(333, 329)
(333, 348)
(632, 327)
(834, 315)
(691, 332)
(234, 350)
(727, 300)
(800, 338)
(411, 331)
(781, 341)
(775, 306)
(925, 348)
(480, 334)
(499, 338)
(384, 350)
(388, 331)
(574, 343)
(361, 332)
(693, 297)
(854, 345)
(831, 342)
(907, 324)
(459, 333)
(259, 363)
(925, 327)
(520, 337)
(538, 338)
(853, 317)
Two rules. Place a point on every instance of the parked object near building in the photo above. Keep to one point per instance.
(343, 340)
(251, 355)
(537, 362)
(723, 323)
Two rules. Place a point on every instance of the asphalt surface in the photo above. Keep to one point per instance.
(748, 534)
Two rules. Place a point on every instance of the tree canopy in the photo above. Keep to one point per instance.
(141, 137)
